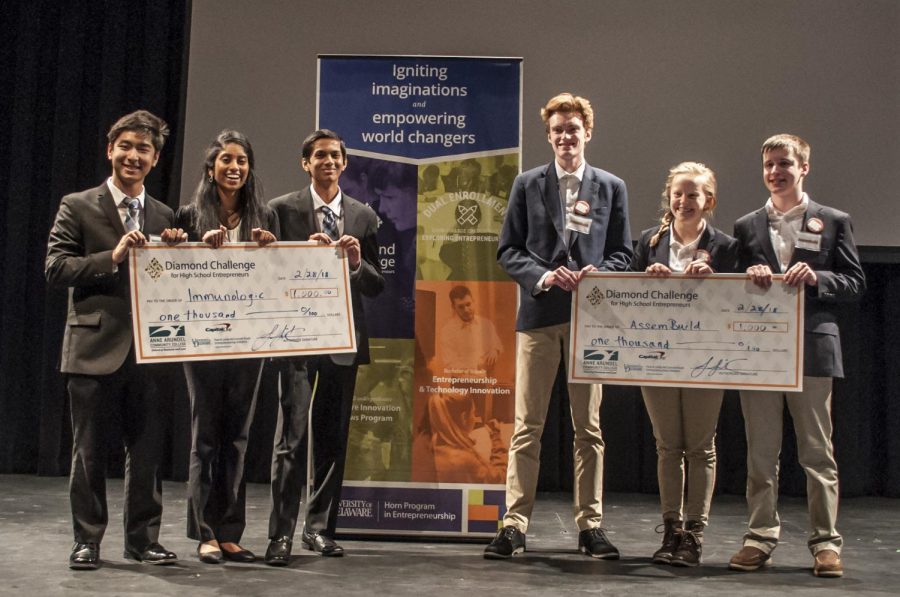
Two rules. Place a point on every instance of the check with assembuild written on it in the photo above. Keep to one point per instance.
(191, 302)
(716, 331)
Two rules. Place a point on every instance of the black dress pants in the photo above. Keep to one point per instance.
(97, 401)
(223, 400)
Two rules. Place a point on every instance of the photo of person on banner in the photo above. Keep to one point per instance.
(390, 189)
(463, 409)
(380, 443)
(461, 227)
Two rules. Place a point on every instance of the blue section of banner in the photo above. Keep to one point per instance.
(421, 107)
(402, 509)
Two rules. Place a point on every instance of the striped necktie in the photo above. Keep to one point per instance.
(329, 223)
(133, 217)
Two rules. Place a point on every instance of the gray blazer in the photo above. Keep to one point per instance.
(297, 220)
(87, 228)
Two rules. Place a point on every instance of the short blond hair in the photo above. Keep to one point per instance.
(792, 143)
(566, 102)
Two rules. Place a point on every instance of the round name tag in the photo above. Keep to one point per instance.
(581, 208)
(702, 255)
(815, 225)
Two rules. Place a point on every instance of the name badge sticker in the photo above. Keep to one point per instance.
(809, 241)
(578, 223)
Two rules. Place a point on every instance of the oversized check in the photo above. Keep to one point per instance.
(194, 303)
(718, 331)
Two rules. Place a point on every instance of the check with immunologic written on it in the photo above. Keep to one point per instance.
(194, 303)
(717, 331)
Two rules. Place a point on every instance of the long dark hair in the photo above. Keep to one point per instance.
(205, 201)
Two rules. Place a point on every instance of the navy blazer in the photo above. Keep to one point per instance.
(722, 249)
(87, 228)
(297, 221)
(531, 241)
(840, 278)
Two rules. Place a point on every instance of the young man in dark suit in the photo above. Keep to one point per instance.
(93, 232)
(812, 245)
(564, 219)
(320, 212)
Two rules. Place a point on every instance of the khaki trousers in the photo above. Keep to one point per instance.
(538, 353)
(684, 425)
(763, 419)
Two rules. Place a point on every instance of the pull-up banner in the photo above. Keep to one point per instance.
(434, 145)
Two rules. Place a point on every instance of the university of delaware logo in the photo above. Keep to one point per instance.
(154, 270)
(166, 331)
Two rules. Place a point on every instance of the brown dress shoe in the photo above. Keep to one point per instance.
(749, 559)
(828, 564)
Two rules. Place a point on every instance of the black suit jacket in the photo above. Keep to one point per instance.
(87, 228)
(840, 278)
(297, 220)
(722, 249)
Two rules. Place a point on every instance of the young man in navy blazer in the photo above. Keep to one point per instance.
(564, 219)
(320, 212)
(93, 232)
(812, 245)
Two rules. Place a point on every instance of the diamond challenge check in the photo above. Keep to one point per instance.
(717, 331)
(194, 303)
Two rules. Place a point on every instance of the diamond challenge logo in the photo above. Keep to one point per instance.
(154, 270)
(595, 297)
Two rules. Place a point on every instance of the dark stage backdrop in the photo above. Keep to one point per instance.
(71, 70)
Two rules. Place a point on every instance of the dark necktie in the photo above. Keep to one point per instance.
(133, 217)
(329, 223)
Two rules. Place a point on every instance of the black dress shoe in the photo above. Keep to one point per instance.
(213, 556)
(594, 543)
(244, 556)
(152, 554)
(85, 556)
(279, 552)
(319, 543)
(508, 542)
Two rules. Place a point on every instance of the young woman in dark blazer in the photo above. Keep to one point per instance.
(684, 419)
(226, 207)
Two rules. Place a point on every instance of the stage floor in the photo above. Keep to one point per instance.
(36, 538)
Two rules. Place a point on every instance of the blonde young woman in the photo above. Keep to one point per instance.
(684, 419)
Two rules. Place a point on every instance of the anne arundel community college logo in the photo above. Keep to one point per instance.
(154, 270)
(167, 338)
(603, 360)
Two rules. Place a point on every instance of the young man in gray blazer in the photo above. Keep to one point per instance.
(93, 232)
(564, 219)
(812, 245)
(320, 212)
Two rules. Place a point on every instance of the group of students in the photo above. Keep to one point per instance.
(89, 242)
(567, 218)
(564, 219)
